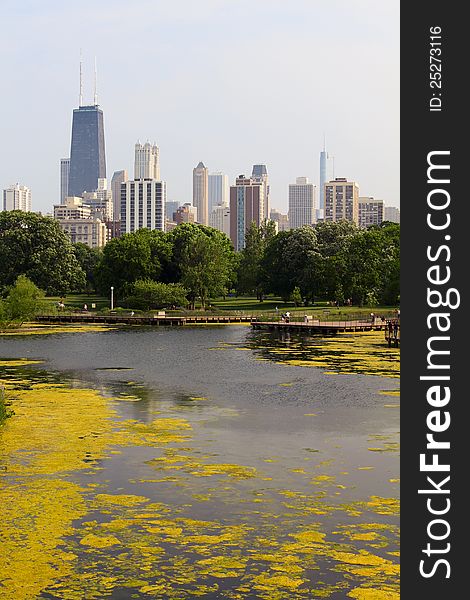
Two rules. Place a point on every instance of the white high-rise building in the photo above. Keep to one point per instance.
(371, 211)
(201, 193)
(218, 190)
(17, 197)
(392, 214)
(64, 178)
(143, 205)
(219, 218)
(301, 203)
(147, 161)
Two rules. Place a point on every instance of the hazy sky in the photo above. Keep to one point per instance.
(228, 82)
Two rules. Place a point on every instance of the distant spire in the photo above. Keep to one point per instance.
(95, 97)
(80, 97)
(324, 142)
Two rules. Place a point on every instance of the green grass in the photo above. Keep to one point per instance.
(76, 301)
(242, 305)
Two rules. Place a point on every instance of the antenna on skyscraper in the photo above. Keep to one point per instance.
(324, 142)
(80, 97)
(96, 83)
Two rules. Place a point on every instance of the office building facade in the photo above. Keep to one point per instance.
(218, 190)
(246, 207)
(302, 208)
(87, 150)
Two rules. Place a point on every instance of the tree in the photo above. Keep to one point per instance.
(290, 261)
(250, 275)
(23, 302)
(36, 246)
(371, 266)
(142, 254)
(148, 294)
(296, 296)
(276, 274)
(88, 258)
(332, 236)
(207, 265)
(301, 255)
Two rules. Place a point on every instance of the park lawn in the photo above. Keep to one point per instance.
(321, 309)
(242, 305)
(76, 301)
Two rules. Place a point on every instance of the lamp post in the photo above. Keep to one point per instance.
(112, 298)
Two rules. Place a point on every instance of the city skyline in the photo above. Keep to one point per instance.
(199, 125)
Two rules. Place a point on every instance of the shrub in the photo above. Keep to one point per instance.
(147, 294)
(23, 303)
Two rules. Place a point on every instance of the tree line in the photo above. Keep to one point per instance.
(332, 261)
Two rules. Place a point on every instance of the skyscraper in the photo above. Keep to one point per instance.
(17, 197)
(143, 205)
(146, 161)
(301, 203)
(118, 178)
(326, 173)
(87, 153)
(259, 174)
(341, 200)
(218, 190)
(201, 193)
(246, 207)
(64, 178)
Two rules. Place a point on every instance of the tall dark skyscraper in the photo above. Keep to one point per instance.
(87, 154)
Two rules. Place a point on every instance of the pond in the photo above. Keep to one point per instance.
(212, 462)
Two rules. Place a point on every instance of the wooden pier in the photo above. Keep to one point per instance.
(155, 320)
(321, 327)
